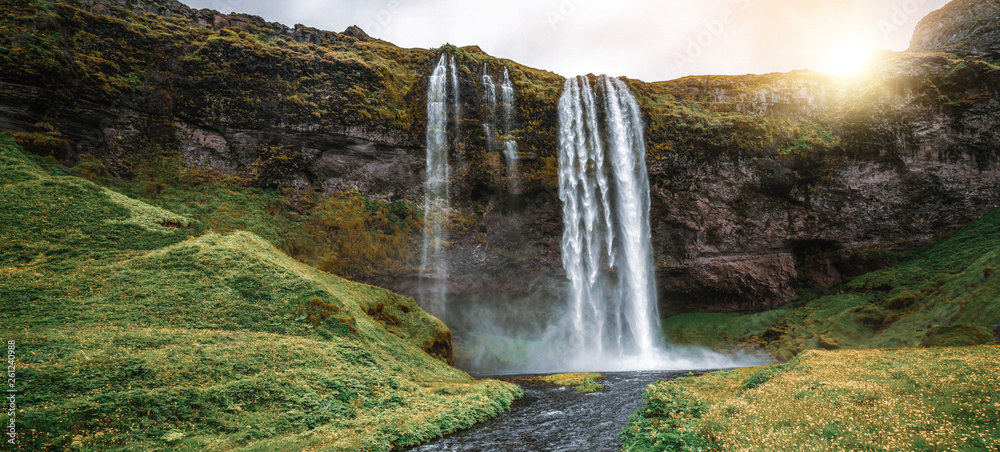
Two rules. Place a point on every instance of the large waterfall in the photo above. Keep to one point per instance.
(606, 237)
(434, 260)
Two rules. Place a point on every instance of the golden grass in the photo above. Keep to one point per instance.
(943, 399)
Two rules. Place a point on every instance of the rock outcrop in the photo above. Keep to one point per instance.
(968, 27)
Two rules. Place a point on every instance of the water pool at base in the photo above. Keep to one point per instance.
(551, 418)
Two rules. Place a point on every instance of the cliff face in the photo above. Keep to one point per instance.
(101, 77)
(882, 164)
(762, 185)
(964, 26)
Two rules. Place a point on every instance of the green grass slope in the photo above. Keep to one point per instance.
(937, 399)
(943, 294)
(137, 330)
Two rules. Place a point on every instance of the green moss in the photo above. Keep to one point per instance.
(346, 234)
(685, 117)
(586, 383)
(717, 330)
(958, 336)
(902, 300)
(137, 329)
(666, 422)
(760, 377)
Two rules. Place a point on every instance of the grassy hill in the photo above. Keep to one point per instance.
(136, 328)
(940, 399)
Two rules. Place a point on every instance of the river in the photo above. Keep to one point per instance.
(551, 418)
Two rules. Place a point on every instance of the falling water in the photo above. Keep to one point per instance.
(510, 145)
(606, 318)
(456, 101)
(434, 262)
(606, 249)
(490, 107)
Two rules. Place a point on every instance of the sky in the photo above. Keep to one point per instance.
(650, 40)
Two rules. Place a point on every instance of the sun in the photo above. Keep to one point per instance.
(847, 57)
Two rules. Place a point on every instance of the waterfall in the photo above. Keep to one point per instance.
(490, 107)
(606, 247)
(494, 125)
(434, 261)
(456, 101)
(606, 317)
(510, 145)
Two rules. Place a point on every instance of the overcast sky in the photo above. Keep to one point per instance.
(646, 39)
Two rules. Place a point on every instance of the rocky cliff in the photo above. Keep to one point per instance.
(762, 185)
(968, 27)
(745, 216)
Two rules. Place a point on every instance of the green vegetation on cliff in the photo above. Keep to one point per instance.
(704, 118)
(943, 399)
(344, 233)
(942, 294)
(136, 329)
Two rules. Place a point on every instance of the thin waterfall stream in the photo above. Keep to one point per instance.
(510, 144)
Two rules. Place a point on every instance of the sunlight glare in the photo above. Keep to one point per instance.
(846, 58)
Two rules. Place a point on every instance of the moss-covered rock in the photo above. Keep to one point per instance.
(958, 336)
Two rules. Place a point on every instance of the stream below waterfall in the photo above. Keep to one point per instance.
(552, 418)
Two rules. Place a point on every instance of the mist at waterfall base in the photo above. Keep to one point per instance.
(602, 315)
(498, 335)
